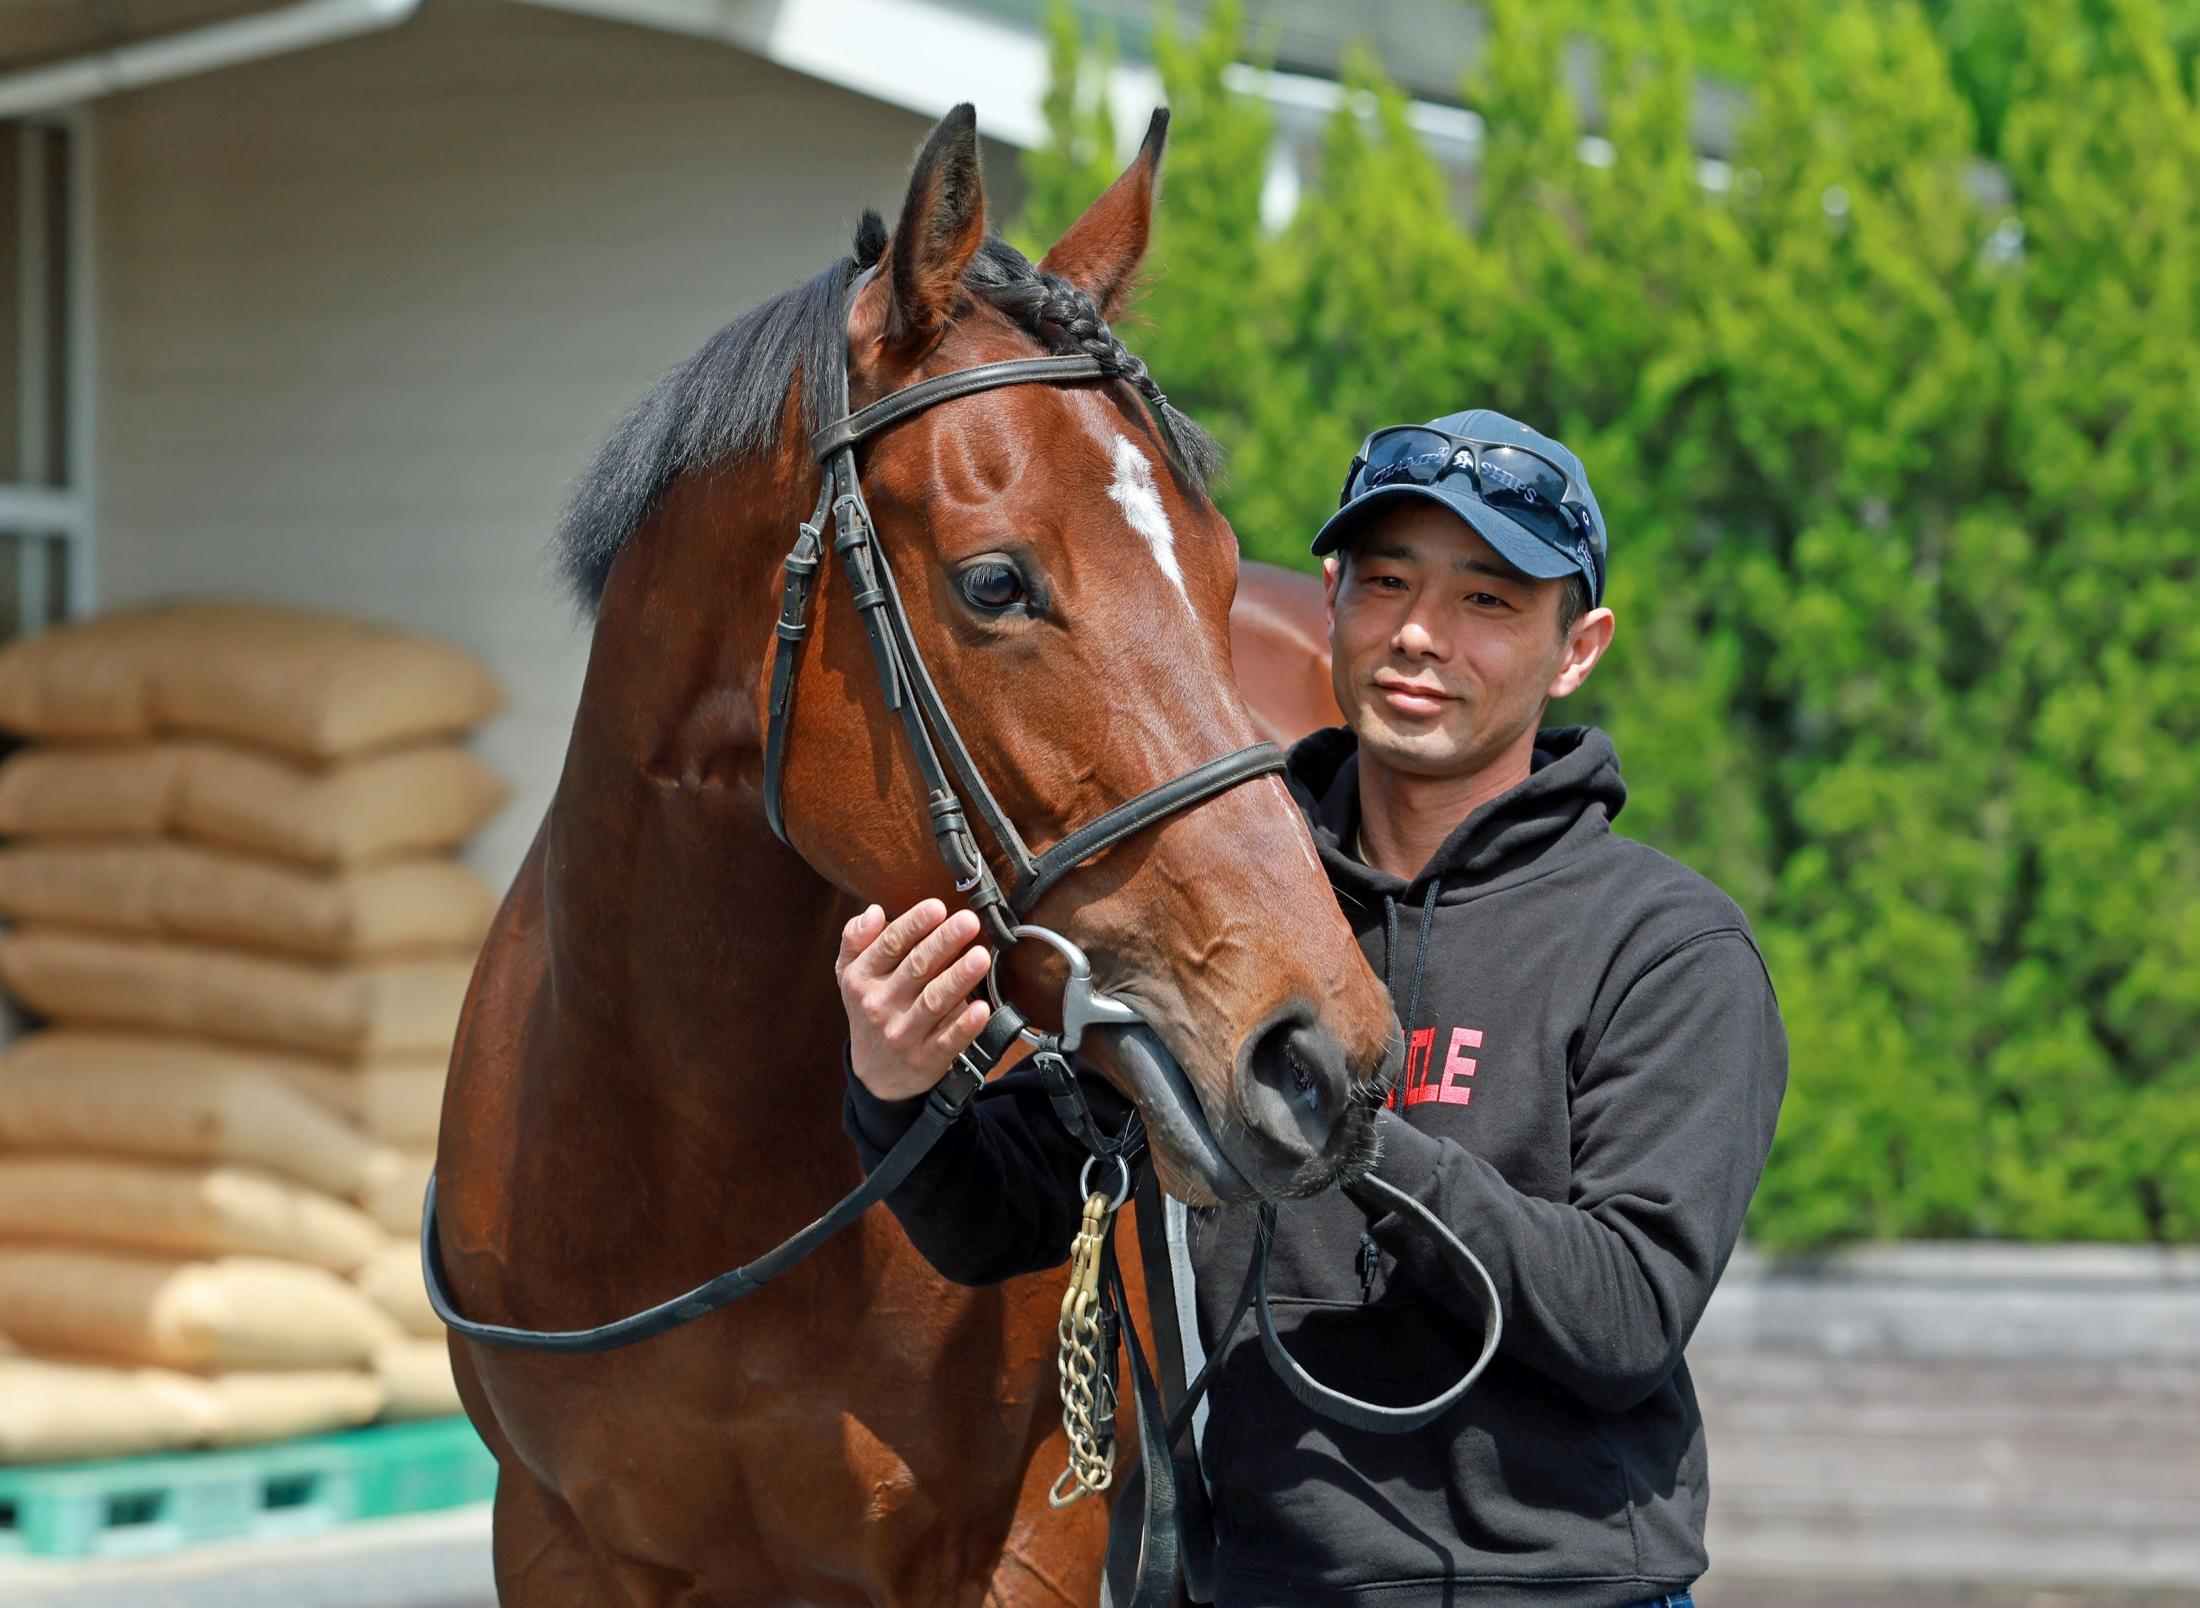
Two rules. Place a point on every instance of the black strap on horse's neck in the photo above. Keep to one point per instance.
(1144, 1575)
(941, 1107)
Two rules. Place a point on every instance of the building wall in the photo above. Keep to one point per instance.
(366, 310)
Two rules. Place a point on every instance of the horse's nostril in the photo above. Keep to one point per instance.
(1292, 1088)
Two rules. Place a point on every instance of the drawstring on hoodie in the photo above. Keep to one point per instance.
(1420, 951)
(1367, 1256)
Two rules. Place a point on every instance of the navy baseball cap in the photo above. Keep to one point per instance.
(1516, 488)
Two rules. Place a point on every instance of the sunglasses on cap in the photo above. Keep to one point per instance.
(1516, 481)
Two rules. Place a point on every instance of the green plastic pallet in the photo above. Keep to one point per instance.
(132, 1507)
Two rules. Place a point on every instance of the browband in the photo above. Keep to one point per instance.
(898, 405)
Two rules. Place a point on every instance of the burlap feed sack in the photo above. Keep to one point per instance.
(190, 1209)
(181, 890)
(54, 1411)
(398, 1102)
(392, 1280)
(74, 1090)
(395, 1190)
(263, 1405)
(367, 1009)
(407, 802)
(314, 685)
(416, 1379)
(222, 1312)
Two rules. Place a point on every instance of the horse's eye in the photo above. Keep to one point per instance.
(994, 588)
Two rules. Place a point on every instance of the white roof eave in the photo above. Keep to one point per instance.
(277, 31)
(927, 57)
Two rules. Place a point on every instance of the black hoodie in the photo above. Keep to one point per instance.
(1595, 1064)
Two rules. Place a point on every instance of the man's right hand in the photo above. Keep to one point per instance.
(906, 987)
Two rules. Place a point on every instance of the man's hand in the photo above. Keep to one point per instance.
(906, 987)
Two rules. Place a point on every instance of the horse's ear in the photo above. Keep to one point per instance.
(1101, 252)
(942, 225)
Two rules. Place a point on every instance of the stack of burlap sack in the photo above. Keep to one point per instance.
(230, 901)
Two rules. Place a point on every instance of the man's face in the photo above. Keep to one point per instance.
(1440, 652)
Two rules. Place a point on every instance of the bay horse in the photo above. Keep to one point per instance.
(647, 1084)
(1279, 648)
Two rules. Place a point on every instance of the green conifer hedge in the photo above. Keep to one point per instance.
(1904, 488)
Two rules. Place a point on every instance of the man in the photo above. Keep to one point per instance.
(1594, 1066)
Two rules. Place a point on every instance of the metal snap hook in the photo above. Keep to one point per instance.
(1082, 1006)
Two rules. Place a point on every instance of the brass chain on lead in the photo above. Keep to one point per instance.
(1085, 1358)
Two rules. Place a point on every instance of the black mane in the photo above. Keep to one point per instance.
(726, 401)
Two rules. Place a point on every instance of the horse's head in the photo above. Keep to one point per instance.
(1069, 583)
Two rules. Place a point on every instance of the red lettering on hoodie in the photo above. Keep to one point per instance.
(1457, 1068)
(1451, 1086)
(1420, 1045)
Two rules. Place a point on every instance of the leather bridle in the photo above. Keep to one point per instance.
(907, 686)
(908, 690)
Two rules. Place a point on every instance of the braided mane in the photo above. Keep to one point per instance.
(726, 401)
(1065, 319)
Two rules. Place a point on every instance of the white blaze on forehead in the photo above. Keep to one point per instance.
(1133, 491)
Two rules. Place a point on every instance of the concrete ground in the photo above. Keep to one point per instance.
(1733, 1593)
(441, 1560)
(429, 1560)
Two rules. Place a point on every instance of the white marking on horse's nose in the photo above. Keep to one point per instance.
(1134, 492)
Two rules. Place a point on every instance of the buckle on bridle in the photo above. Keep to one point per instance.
(808, 551)
(958, 844)
(850, 528)
(953, 1091)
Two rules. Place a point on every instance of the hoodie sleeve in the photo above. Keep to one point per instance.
(1672, 1121)
(997, 1196)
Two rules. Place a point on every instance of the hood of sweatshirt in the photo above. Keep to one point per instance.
(1560, 813)
(1572, 792)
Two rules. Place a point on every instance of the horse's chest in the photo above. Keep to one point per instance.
(897, 1412)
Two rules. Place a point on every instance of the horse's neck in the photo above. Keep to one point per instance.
(689, 953)
(690, 962)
